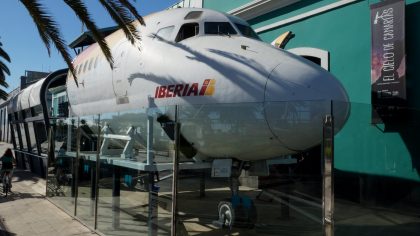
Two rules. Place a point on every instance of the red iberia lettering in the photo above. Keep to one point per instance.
(193, 90)
(186, 90)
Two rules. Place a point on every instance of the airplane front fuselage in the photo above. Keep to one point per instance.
(238, 97)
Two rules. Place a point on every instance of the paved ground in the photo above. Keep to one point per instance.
(26, 212)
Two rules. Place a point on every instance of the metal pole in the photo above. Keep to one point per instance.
(51, 153)
(328, 175)
(98, 168)
(152, 211)
(116, 197)
(150, 156)
(175, 175)
(153, 205)
(76, 166)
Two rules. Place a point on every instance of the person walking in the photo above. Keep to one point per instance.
(7, 166)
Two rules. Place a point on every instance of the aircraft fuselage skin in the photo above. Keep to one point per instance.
(237, 97)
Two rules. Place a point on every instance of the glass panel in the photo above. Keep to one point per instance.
(16, 136)
(23, 134)
(42, 137)
(253, 169)
(37, 110)
(32, 138)
(224, 28)
(135, 192)
(377, 171)
(165, 33)
(61, 184)
(86, 191)
(187, 30)
(247, 31)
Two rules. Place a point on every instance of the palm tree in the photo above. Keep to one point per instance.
(3, 71)
(121, 11)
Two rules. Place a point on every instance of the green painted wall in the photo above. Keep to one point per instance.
(345, 33)
(224, 5)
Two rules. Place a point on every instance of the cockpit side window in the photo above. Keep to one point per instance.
(218, 28)
(247, 31)
(187, 31)
(165, 33)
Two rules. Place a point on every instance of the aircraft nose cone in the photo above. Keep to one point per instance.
(298, 95)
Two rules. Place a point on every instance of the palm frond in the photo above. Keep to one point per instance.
(4, 83)
(79, 8)
(49, 30)
(122, 17)
(4, 54)
(45, 40)
(133, 10)
(3, 80)
(3, 94)
(4, 68)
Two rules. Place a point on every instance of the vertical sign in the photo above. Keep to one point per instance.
(388, 52)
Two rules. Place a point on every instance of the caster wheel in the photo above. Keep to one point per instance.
(226, 214)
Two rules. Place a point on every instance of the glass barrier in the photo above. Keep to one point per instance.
(31, 131)
(86, 191)
(62, 164)
(377, 171)
(135, 183)
(23, 135)
(251, 169)
(41, 136)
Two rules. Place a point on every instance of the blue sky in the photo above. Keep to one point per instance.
(21, 40)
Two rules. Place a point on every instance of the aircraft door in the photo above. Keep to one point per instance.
(119, 79)
(128, 66)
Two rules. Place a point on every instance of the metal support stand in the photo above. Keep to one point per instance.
(203, 184)
(328, 176)
(116, 197)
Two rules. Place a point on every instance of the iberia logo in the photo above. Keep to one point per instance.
(186, 90)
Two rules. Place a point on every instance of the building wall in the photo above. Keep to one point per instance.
(383, 150)
(223, 5)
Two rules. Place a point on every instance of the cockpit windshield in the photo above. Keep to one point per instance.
(247, 31)
(219, 28)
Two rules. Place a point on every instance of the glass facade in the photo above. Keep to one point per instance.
(115, 171)
(125, 172)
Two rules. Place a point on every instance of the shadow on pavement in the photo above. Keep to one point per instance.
(16, 196)
(24, 175)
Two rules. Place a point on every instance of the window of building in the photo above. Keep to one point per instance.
(219, 28)
(32, 138)
(247, 31)
(187, 31)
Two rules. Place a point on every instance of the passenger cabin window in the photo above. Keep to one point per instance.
(165, 33)
(187, 31)
(219, 28)
(247, 31)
